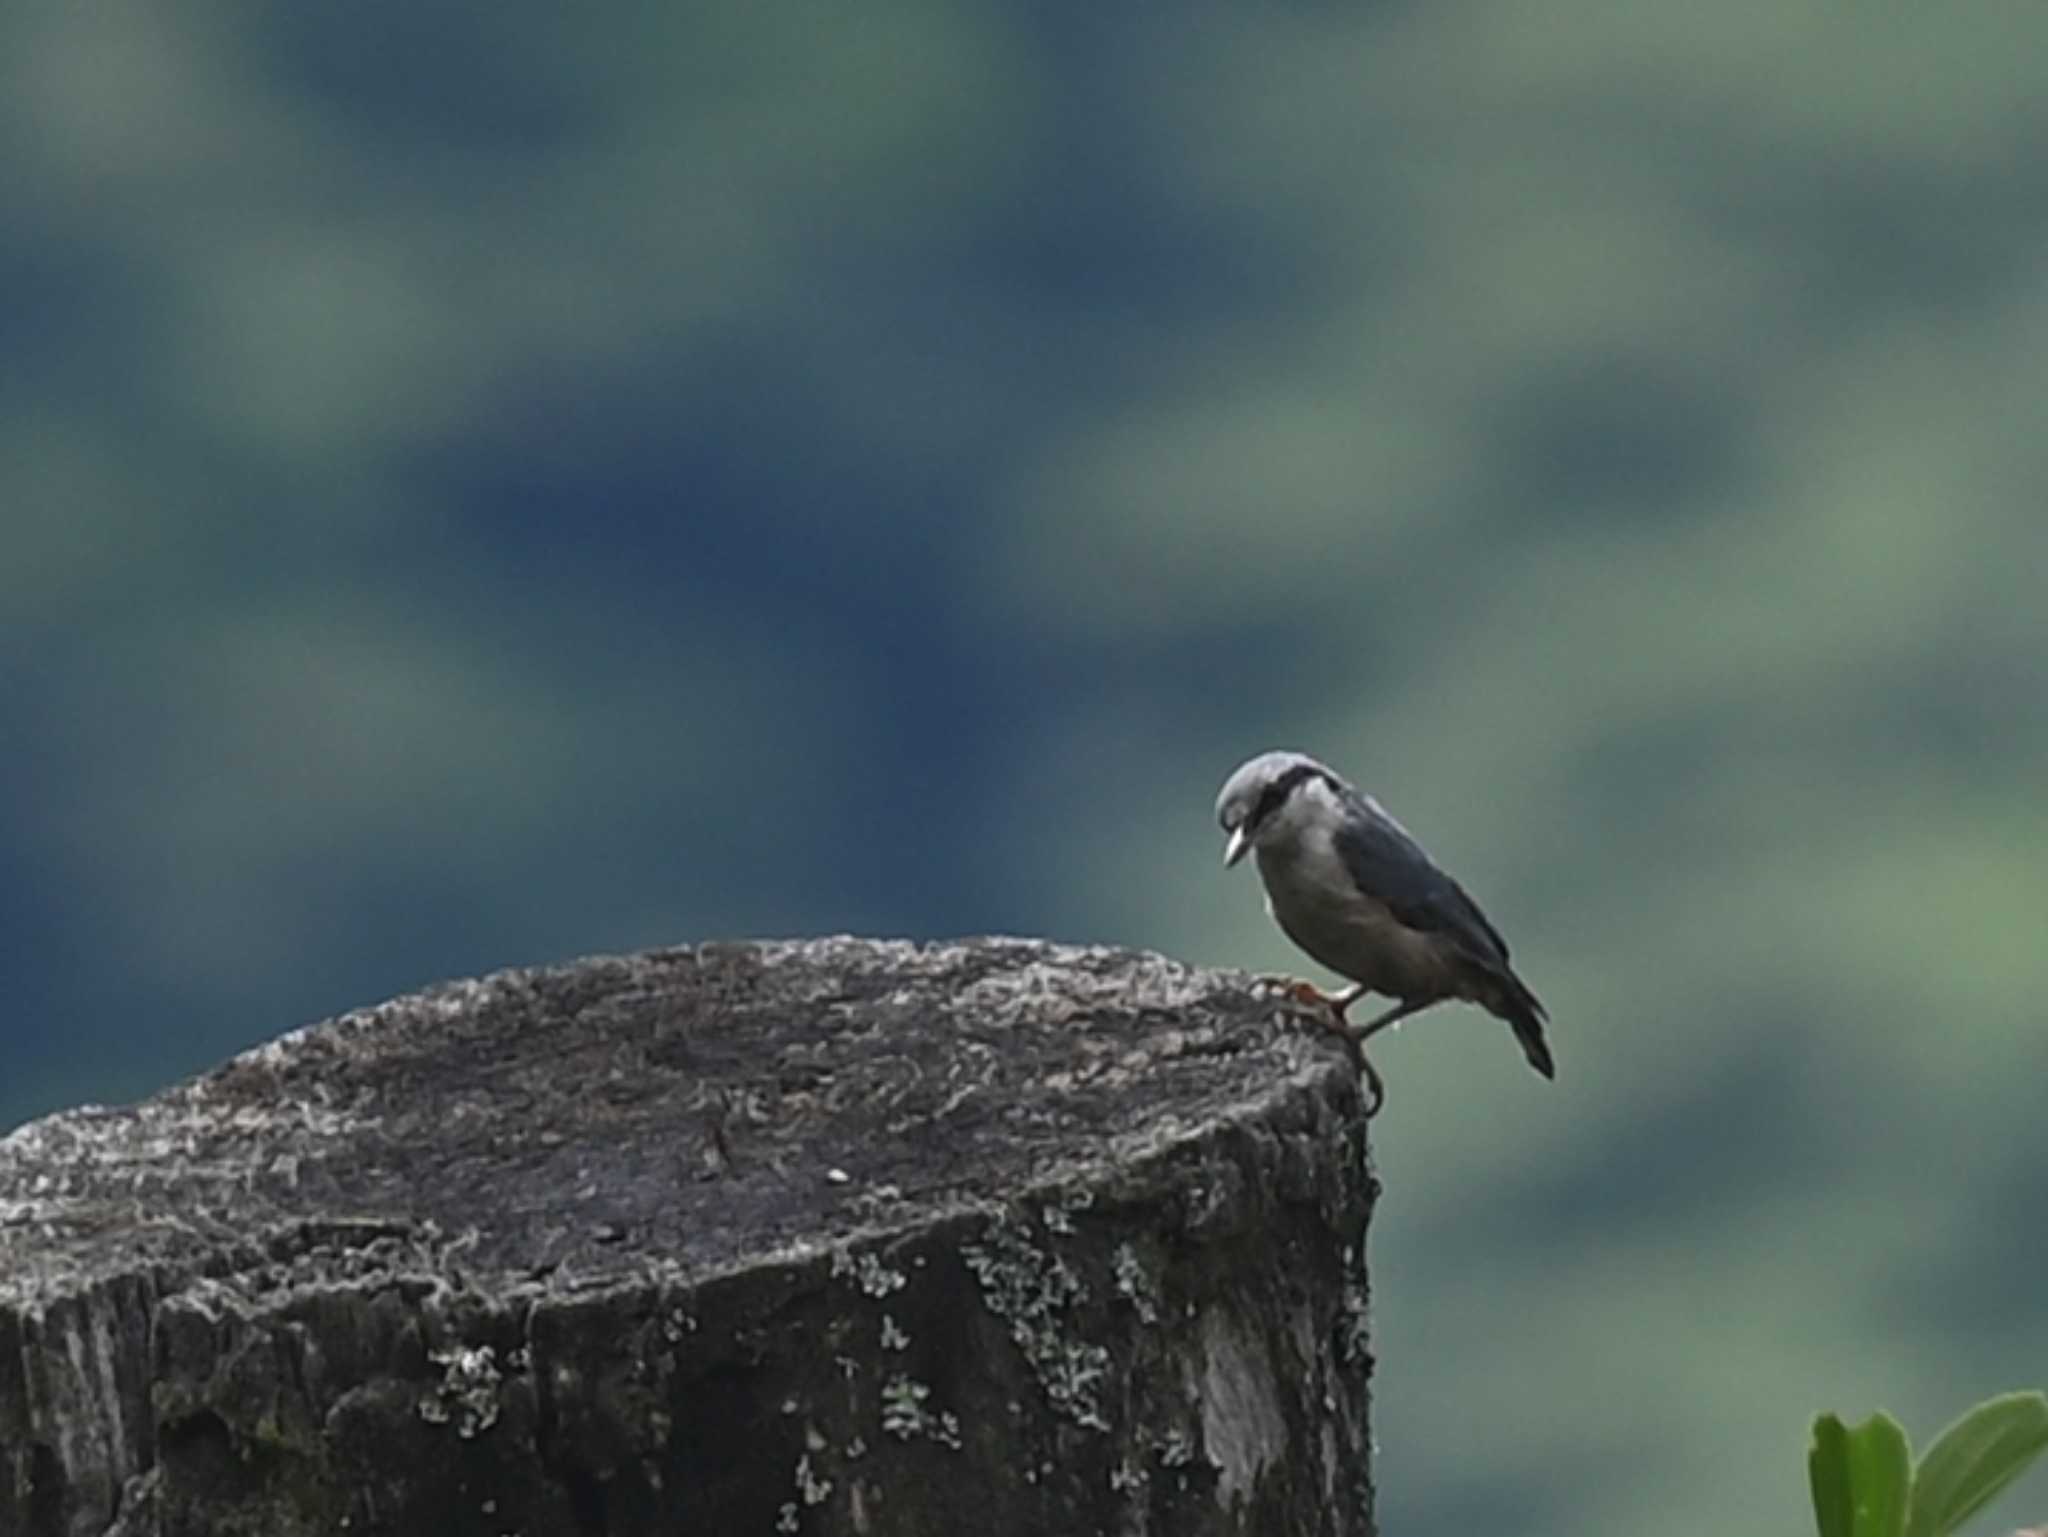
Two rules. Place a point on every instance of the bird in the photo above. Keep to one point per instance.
(1351, 886)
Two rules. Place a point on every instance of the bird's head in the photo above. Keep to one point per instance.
(1254, 799)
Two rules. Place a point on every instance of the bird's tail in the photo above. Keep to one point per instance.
(1525, 1015)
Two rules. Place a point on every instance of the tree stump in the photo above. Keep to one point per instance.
(833, 1237)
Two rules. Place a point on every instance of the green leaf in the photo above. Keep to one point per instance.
(1974, 1458)
(1859, 1477)
(1827, 1469)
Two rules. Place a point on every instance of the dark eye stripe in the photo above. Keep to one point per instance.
(1274, 796)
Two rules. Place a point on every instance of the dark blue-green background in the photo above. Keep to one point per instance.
(487, 483)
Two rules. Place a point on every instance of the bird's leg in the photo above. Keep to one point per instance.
(1336, 1003)
(1353, 1043)
(1356, 1037)
(1379, 1022)
(1338, 1026)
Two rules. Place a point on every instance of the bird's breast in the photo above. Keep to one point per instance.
(1314, 900)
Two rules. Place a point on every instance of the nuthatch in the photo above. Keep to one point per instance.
(1348, 884)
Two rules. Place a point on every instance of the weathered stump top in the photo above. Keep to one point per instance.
(501, 1152)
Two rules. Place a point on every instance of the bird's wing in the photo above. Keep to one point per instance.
(1392, 867)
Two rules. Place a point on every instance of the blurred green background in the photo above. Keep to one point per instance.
(487, 483)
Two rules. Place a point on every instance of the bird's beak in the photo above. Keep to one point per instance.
(1234, 850)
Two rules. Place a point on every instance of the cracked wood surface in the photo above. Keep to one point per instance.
(826, 1236)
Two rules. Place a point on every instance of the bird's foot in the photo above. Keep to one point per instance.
(1354, 1043)
(1308, 993)
(1331, 1007)
(1373, 1082)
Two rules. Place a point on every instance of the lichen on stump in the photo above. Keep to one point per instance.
(833, 1237)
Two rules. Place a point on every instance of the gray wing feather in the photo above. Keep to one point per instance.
(1391, 866)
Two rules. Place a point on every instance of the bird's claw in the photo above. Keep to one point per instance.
(1376, 1084)
(1308, 993)
(1332, 1006)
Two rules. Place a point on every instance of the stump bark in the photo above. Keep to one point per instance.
(833, 1237)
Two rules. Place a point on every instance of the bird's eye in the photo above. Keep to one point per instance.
(1269, 801)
